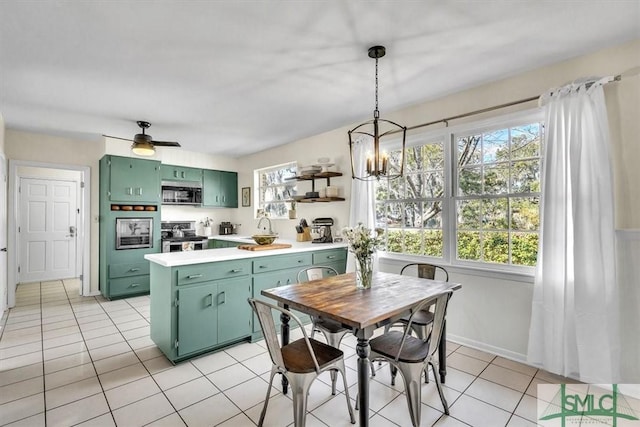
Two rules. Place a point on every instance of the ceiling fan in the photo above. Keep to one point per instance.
(143, 144)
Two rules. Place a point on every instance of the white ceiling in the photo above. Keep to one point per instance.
(236, 77)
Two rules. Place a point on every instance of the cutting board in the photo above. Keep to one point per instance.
(264, 247)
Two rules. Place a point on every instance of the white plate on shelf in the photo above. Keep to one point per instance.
(310, 170)
(324, 167)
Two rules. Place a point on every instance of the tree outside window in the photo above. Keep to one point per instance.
(276, 187)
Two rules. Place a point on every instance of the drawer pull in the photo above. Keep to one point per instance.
(133, 270)
(262, 266)
(300, 261)
(331, 257)
(134, 285)
(194, 276)
(237, 270)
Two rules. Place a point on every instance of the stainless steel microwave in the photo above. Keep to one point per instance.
(181, 193)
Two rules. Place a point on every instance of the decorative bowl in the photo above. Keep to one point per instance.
(264, 239)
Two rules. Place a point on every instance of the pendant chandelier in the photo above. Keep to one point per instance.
(377, 163)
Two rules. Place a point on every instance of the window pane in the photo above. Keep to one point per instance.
(525, 177)
(414, 159)
(396, 189)
(469, 214)
(495, 247)
(414, 185)
(381, 215)
(470, 181)
(413, 242)
(433, 184)
(469, 150)
(469, 245)
(525, 141)
(495, 146)
(496, 179)
(274, 188)
(413, 214)
(433, 155)
(394, 214)
(433, 242)
(495, 214)
(431, 215)
(394, 240)
(524, 248)
(525, 213)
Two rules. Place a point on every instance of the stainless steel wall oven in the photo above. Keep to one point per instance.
(134, 233)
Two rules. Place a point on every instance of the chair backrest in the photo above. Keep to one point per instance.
(316, 272)
(427, 271)
(440, 301)
(264, 311)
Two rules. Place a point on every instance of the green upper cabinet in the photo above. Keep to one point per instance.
(180, 173)
(133, 180)
(219, 189)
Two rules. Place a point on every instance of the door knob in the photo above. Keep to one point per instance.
(3, 249)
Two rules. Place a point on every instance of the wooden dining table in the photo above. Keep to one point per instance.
(362, 310)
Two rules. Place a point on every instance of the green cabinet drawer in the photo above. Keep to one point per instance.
(220, 270)
(281, 262)
(329, 256)
(129, 285)
(126, 270)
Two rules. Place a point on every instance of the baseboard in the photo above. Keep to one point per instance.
(507, 354)
(92, 294)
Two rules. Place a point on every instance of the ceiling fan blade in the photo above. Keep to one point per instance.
(117, 137)
(165, 144)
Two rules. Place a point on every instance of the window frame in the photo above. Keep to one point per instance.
(449, 214)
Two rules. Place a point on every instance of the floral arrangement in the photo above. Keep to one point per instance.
(363, 243)
(206, 222)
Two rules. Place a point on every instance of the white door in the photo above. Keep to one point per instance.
(3, 234)
(47, 226)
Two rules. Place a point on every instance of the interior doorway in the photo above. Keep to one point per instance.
(49, 227)
(3, 234)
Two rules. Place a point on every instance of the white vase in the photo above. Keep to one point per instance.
(207, 231)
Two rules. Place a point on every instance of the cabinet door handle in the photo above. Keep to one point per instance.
(182, 174)
(129, 191)
(175, 173)
(134, 285)
(288, 281)
(300, 261)
(133, 270)
(194, 276)
(210, 296)
(222, 294)
(279, 282)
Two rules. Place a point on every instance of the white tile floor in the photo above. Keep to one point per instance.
(69, 360)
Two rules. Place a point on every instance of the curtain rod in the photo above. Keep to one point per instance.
(446, 120)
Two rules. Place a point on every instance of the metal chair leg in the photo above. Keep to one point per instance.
(445, 405)
(412, 376)
(342, 370)
(274, 370)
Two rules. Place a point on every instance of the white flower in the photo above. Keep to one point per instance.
(362, 241)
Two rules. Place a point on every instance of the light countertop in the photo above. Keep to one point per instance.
(175, 259)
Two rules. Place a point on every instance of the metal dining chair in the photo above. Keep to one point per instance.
(412, 356)
(422, 321)
(300, 361)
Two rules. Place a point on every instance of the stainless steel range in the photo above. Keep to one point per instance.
(178, 236)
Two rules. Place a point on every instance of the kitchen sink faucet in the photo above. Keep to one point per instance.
(270, 231)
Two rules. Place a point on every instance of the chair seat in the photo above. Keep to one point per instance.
(330, 325)
(414, 350)
(297, 358)
(421, 318)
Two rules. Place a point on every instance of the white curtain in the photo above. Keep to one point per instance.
(574, 320)
(362, 197)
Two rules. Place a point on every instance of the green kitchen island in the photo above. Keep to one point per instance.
(199, 298)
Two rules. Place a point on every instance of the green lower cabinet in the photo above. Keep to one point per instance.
(219, 244)
(234, 312)
(203, 307)
(197, 318)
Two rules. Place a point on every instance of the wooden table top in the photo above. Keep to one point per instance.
(337, 297)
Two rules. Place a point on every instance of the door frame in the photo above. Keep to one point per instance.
(84, 224)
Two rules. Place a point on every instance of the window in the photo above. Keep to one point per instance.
(275, 187)
(468, 196)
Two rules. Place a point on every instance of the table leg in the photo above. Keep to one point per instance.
(284, 330)
(442, 353)
(362, 350)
